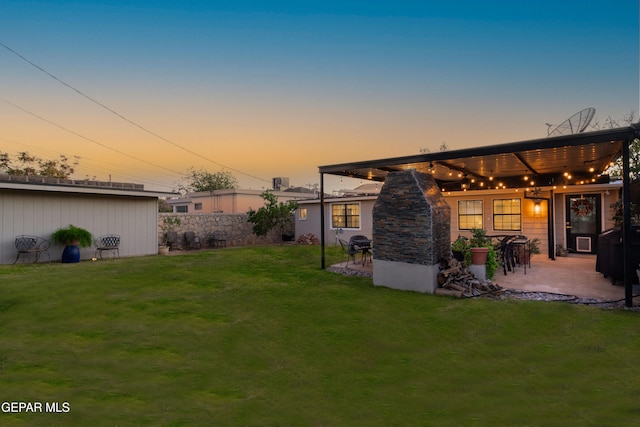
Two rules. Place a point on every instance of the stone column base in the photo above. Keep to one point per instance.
(406, 277)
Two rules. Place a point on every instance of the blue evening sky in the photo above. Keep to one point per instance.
(276, 88)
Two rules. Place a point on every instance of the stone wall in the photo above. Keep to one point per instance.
(411, 229)
(236, 226)
(411, 220)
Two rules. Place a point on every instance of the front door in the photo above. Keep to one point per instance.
(583, 222)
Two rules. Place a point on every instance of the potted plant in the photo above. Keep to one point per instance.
(480, 245)
(72, 237)
(459, 248)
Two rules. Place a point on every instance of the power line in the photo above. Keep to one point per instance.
(91, 165)
(125, 118)
(87, 138)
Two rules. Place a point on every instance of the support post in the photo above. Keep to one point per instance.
(551, 230)
(322, 242)
(626, 225)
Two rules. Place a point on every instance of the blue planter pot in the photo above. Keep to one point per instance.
(71, 253)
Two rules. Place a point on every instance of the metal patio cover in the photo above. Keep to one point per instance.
(585, 156)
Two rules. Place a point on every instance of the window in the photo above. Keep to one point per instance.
(345, 215)
(507, 215)
(197, 206)
(469, 214)
(302, 214)
(182, 209)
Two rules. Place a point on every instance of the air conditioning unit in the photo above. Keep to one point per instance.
(280, 183)
(583, 244)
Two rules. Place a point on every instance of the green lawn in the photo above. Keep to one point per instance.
(261, 336)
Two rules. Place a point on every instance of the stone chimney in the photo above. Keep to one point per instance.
(411, 232)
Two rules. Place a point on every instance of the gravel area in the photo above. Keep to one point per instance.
(571, 299)
(524, 295)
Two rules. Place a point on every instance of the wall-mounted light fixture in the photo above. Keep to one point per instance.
(536, 207)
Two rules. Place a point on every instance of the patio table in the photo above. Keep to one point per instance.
(363, 245)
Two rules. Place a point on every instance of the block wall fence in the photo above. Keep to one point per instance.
(236, 226)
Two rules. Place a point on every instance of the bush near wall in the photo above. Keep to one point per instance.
(235, 225)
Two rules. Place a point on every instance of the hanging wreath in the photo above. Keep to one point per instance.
(582, 207)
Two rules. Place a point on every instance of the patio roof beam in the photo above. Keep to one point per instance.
(460, 169)
(525, 163)
(587, 138)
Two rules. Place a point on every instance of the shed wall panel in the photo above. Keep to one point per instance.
(40, 213)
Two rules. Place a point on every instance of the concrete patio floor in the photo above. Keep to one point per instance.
(573, 275)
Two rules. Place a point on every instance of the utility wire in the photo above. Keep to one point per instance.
(89, 161)
(87, 138)
(125, 118)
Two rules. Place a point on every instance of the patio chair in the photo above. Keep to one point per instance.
(172, 240)
(348, 250)
(505, 254)
(32, 245)
(107, 242)
(218, 239)
(193, 241)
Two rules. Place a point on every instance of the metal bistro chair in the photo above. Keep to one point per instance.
(348, 250)
(107, 242)
(193, 241)
(218, 239)
(505, 252)
(32, 245)
(173, 241)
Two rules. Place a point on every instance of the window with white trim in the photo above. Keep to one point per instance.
(302, 214)
(345, 215)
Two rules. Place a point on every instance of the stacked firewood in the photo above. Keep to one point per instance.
(457, 280)
(308, 239)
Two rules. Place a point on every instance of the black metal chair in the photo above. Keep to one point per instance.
(505, 253)
(348, 250)
(193, 241)
(172, 240)
(218, 239)
(107, 242)
(32, 245)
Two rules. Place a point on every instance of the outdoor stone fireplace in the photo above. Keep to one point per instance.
(411, 232)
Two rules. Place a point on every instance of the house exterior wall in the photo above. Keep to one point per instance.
(534, 224)
(560, 214)
(311, 225)
(40, 213)
(235, 201)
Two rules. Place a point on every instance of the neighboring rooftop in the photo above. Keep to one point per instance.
(43, 183)
(32, 179)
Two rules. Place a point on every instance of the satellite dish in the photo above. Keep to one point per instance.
(574, 124)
